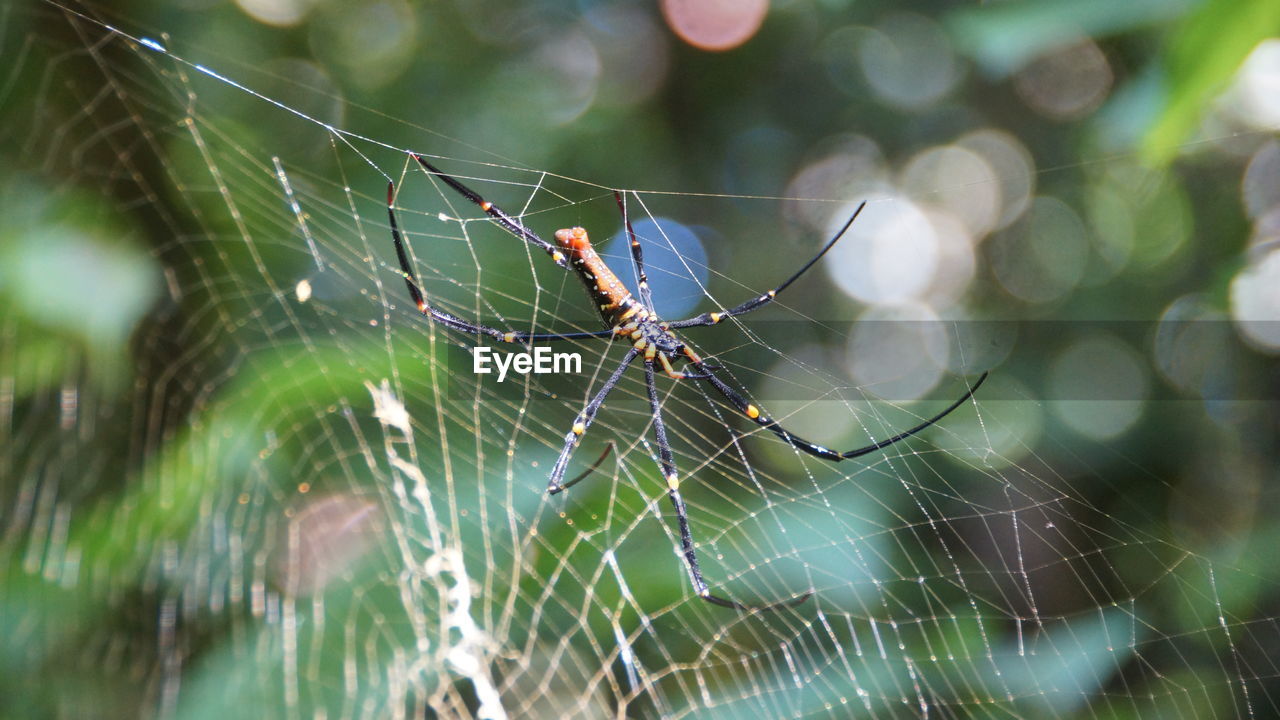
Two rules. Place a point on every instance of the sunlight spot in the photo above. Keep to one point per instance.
(715, 25)
(957, 180)
(888, 257)
(279, 13)
(1100, 386)
(1255, 302)
(1258, 87)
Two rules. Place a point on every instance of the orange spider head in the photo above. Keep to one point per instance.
(574, 239)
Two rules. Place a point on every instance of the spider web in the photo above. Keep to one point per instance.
(243, 476)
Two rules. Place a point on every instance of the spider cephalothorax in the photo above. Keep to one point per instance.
(650, 337)
(626, 316)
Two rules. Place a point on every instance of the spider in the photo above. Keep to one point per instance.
(651, 338)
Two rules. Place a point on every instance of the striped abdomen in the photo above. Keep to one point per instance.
(610, 296)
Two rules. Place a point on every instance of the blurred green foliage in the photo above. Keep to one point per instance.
(172, 401)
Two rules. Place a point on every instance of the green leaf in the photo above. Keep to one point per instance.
(1002, 38)
(1204, 53)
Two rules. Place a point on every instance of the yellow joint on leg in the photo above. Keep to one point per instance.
(670, 371)
(641, 343)
(557, 256)
(752, 412)
(715, 318)
(627, 315)
(773, 293)
(650, 353)
(485, 205)
(509, 337)
(579, 428)
(636, 334)
(673, 482)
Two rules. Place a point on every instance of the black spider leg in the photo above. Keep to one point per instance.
(763, 420)
(668, 466)
(608, 448)
(453, 321)
(637, 258)
(505, 221)
(711, 318)
(637, 254)
(582, 422)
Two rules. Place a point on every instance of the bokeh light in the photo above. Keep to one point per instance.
(1042, 257)
(853, 171)
(1257, 89)
(1067, 83)
(897, 353)
(1114, 226)
(1261, 185)
(372, 44)
(1255, 301)
(957, 180)
(1158, 209)
(83, 281)
(561, 75)
(1100, 386)
(715, 24)
(307, 87)
(1266, 232)
(1013, 169)
(325, 539)
(957, 261)
(908, 61)
(1005, 432)
(632, 50)
(1193, 347)
(888, 257)
(675, 260)
(281, 13)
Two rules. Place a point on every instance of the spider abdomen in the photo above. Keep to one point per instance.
(611, 298)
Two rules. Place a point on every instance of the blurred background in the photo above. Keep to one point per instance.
(241, 476)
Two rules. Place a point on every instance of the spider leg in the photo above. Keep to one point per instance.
(674, 374)
(505, 221)
(668, 466)
(585, 473)
(763, 420)
(580, 425)
(453, 321)
(711, 318)
(637, 254)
